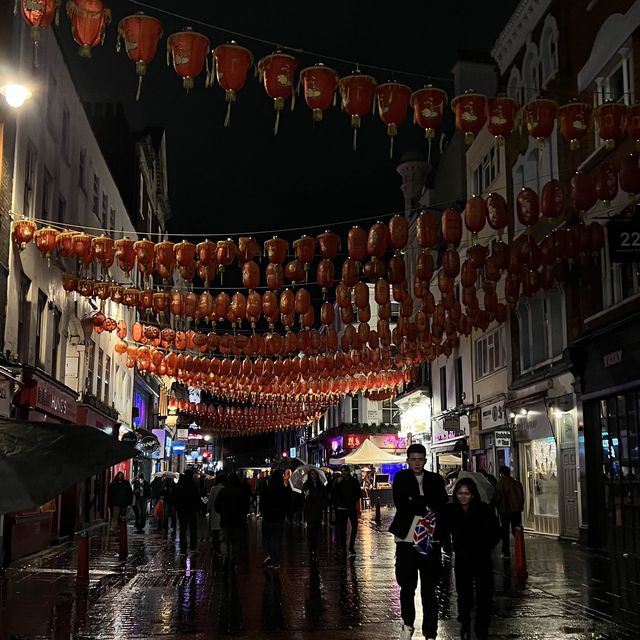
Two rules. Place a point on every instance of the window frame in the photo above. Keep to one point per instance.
(24, 319)
(485, 349)
(390, 411)
(29, 184)
(443, 388)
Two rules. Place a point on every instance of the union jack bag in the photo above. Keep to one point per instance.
(423, 533)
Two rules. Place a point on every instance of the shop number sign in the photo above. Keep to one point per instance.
(502, 438)
(624, 241)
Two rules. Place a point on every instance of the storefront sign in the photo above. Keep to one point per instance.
(610, 359)
(532, 423)
(178, 448)
(48, 398)
(389, 441)
(354, 441)
(447, 435)
(624, 240)
(502, 438)
(161, 435)
(493, 415)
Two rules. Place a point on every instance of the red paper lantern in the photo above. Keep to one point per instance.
(357, 243)
(475, 214)
(189, 51)
(497, 212)
(89, 19)
(574, 122)
(39, 14)
(357, 92)
(141, 35)
(501, 116)
(23, 231)
(452, 227)
(527, 207)
(606, 182)
(276, 250)
(552, 199)
(104, 251)
(45, 240)
(393, 103)
(611, 120)
(145, 253)
(319, 85)
(277, 71)
(328, 244)
(426, 230)
(583, 191)
(470, 110)
(428, 109)
(630, 174)
(540, 118)
(232, 65)
(633, 123)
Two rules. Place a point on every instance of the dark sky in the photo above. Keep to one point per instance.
(243, 178)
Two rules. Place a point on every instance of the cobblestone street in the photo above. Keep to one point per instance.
(157, 593)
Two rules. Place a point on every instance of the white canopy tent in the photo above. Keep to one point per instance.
(368, 453)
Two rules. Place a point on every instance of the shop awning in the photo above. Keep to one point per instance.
(368, 453)
(453, 444)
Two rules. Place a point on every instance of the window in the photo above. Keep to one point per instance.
(56, 338)
(355, 414)
(65, 132)
(549, 50)
(99, 373)
(531, 73)
(91, 350)
(24, 319)
(616, 81)
(82, 170)
(47, 188)
(514, 86)
(486, 172)
(29, 179)
(457, 363)
(112, 219)
(41, 327)
(62, 209)
(107, 380)
(443, 388)
(541, 320)
(390, 413)
(52, 91)
(96, 196)
(105, 210)
(490, 354)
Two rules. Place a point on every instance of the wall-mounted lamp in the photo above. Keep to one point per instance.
(15, 94)
(512, 415)
(523, 412)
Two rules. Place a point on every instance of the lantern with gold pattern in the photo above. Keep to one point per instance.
(277, 71)
(357, 91)
(393, 103)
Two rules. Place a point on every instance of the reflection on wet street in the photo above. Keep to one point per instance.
(157, 593)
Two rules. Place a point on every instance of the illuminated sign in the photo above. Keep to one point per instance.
(354, 441)
(292, 452)
(178, 448)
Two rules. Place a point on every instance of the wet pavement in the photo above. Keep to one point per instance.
(156, 593)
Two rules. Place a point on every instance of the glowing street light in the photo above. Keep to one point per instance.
(15, 94)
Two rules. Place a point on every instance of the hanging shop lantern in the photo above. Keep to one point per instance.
(189, 51)
(552, 199)
(82, 247)
(611, 120)
(248, 248)
(45, 241)
(452, 227)
(104, 251)
(277, 71)
(540, 118)
(145, 253)
(185, 258)
(232, 66)
(633, 123)
(393, 103)
(497, 212)
(475, 214)
(527, 207)
(64, 243)
(141, 35)
(305, 249)
(583, 191)
(319, 86)
(226, 253)
(328, 244)
(125, 255)
(250, 275)
(89, 19)
(606, 182)
(23, 231)
(574, 120)
(357, 93)
(428, 109)
(426, 230)
(276, 250)
(39, 14)
(357, 243)
(398, 232)
(165, 259)
(326, 275)
(470, 111)
(378, 240)
(501, 116)
(630, 173)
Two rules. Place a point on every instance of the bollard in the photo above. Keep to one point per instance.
(123, 546)
(82, 574)
(378, 517)
(521, 556)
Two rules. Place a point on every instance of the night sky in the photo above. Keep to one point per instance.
(243, 179)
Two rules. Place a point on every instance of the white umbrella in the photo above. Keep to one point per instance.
(301, 475)
(166, 474)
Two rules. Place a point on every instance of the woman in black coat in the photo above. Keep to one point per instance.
(315, 499)
(475, 532)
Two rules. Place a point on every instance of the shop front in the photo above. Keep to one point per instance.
(490, 438)
(611, 410)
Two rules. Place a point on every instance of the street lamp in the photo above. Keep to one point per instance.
(15, 94)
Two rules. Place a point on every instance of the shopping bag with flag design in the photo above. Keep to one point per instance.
(423, 533)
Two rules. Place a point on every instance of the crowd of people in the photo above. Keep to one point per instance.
(428, 523)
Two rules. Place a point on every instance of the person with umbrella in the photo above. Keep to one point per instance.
(188, 503)
(119, 499)
(315, 499)
(275, 504)
(346, 495)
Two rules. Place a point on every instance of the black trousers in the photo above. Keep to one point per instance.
(474, 585)
(188, 519)
(313, 534)
(409, 565)
(509, 521)
(342, 515)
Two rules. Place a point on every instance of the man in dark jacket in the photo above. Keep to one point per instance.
(346, 495)
(188, 503)
(141, 495)
(275, 505)
(509, 499)
(417, 493)
(232, 504)
(119, 497)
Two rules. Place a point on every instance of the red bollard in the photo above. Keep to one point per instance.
(123, 543)
(521, 556)
(82, 574)
(378, 516)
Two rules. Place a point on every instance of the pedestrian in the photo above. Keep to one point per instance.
(232, 504)
(141, 495)
(168, 496)
(420, 498)
(315, 500)
(275, 505)
(509, 500)
(261, 484)
(188, 503)
(119, 498)
(346, 495)
(475, 532)
(214, 516)
(156, 490)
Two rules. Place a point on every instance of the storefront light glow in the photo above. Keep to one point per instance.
(416, 418)
(15, 94)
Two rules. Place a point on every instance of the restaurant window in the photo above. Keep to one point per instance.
(29, 179)
(56, 338)
(457, 364)
(443, 388)
(41, 327)
(100, 373)
(47, 188)
(107, 380)
(96, 195)
(390, 413)
(355, 413)
(490, 354)
(24, 319)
